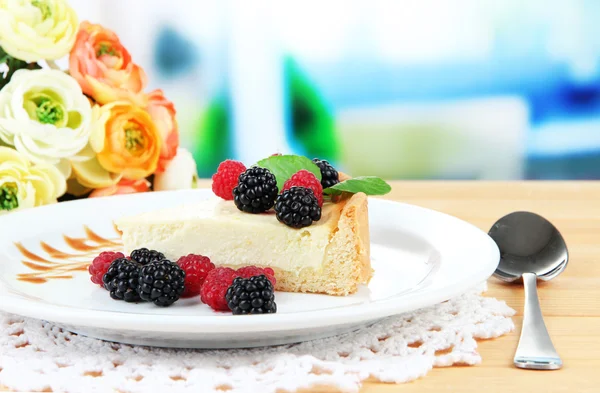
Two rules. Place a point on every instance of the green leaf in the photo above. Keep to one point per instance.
(3, 56)
(283, 167)
(370, 185)
(13, 65)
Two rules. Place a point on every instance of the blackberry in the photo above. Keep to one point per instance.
(143, 256)
(161, 282)
(329, 176)
(254, 295)
(121, 279)
(256, 190)
(297, 207)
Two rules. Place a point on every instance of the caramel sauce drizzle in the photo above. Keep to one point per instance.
(59, 265)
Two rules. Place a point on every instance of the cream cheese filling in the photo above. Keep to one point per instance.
(217, 229)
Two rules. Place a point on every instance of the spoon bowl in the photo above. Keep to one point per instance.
(531, 248)
(528, 243)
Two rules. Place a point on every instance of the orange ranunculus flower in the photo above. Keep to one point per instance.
(125, 140)
(163, 113)
(123, 187)
(103, 67)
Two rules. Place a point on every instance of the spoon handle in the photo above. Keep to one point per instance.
(535, 350)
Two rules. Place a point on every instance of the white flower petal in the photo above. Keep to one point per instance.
(179, 174)
(28, 36)
(43, 143)
(36, 184)
(64, 169)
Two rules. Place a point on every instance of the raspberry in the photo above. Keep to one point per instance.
(100, 265)
(250, 271)
(304, 178)
(215, 286)
(196, 268)
(226, 178)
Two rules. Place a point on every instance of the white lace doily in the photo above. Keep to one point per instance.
(35, 355)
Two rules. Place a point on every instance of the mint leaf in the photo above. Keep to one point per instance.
(370, 185)
(283, 167)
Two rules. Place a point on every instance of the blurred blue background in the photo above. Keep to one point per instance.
(428, 89)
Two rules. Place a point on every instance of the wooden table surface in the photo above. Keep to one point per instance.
(570, 303)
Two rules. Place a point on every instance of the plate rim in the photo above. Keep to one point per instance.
(213, 324)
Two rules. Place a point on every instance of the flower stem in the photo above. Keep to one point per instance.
(52, 64)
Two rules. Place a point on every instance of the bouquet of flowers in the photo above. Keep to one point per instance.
(91, 130)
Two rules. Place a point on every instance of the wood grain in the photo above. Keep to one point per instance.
(571, 302)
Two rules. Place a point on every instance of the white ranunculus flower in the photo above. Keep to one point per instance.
(23, 185)
(179, 174)
(34, 30)
(45, 116)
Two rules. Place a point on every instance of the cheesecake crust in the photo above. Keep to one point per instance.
(347, 261)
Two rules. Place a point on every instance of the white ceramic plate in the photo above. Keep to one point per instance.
(421, 257)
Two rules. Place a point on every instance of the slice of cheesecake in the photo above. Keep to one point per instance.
(331, 256)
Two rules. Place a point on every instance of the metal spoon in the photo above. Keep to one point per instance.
(530, 248)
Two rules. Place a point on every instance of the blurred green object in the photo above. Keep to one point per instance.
(313, 123)
(213, 144)
(13, 65)
(408, 151)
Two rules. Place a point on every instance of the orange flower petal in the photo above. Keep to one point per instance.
(132, 142)
(163, 113)
(103, 67)
(123, 187)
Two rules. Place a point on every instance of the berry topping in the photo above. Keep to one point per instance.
(329, 176)
(121, 280)
(297, 207)
(252, 295)
(100, 265)
(161, 282)
(304, 178)
(249, 271)
(215, 286)
(256, 190)
(226, 178)
(143, 256)
(196, 268)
